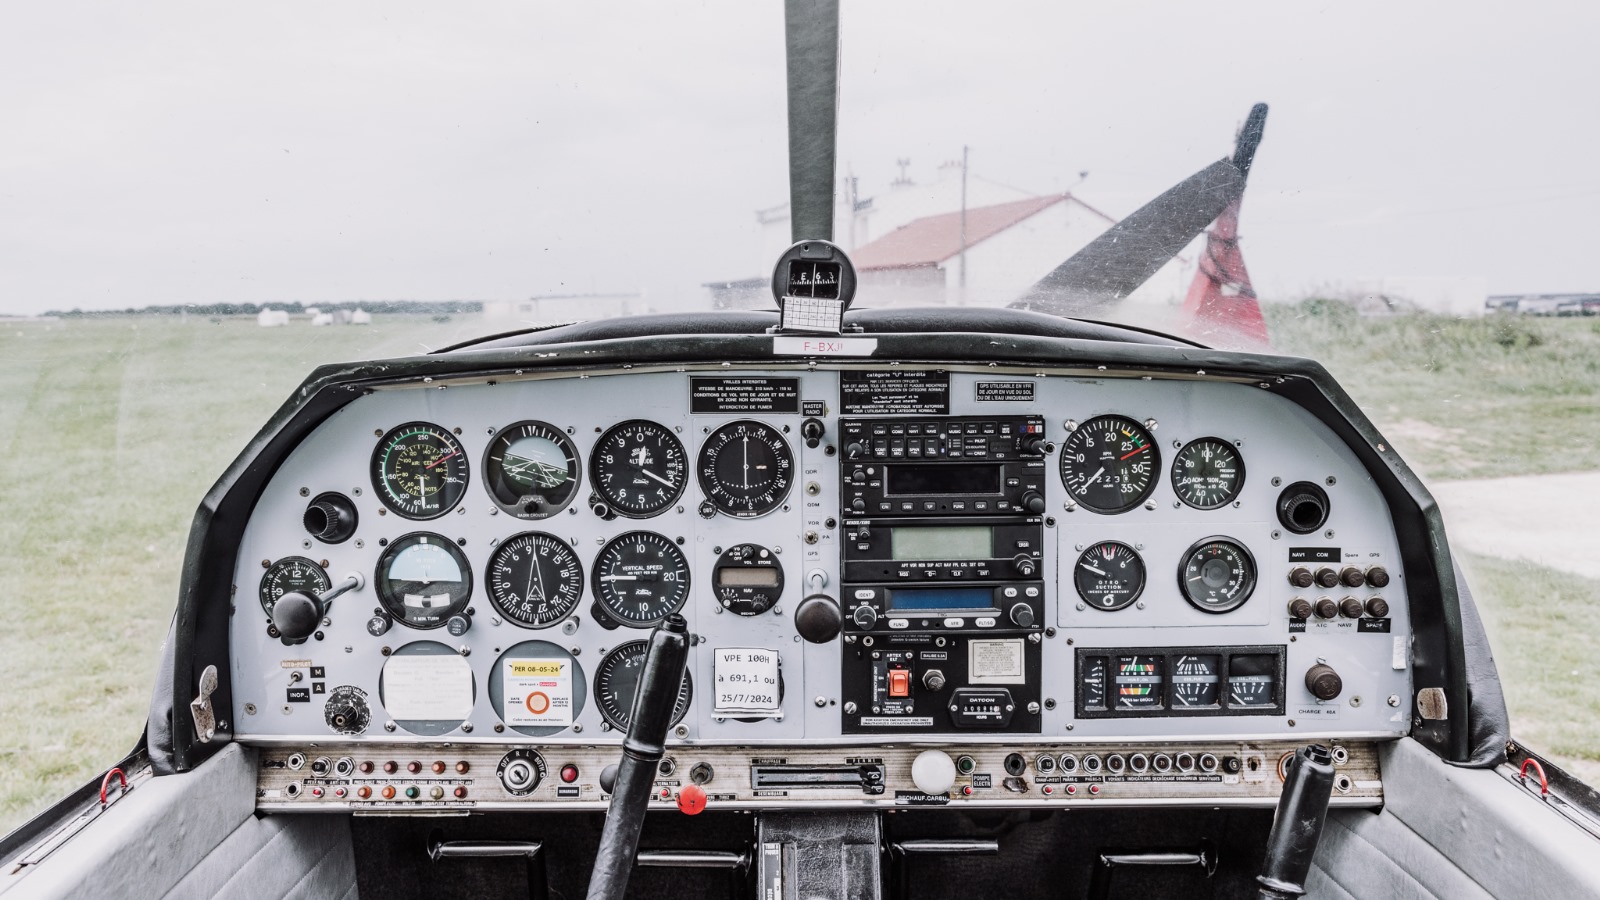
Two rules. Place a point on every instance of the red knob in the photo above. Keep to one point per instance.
(692, 799)
(569, 773)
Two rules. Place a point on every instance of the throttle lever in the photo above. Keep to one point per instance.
(642, 749)
(1297, 825)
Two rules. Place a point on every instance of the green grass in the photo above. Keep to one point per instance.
(1462, 398)
(112, 430)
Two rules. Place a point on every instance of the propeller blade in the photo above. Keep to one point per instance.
(812, 38)
(1117, 262)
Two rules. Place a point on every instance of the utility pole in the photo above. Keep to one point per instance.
(963, 292)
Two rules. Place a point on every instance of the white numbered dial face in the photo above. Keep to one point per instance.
(640, 578)
(745, 469)
(1109, 464)
(638, 468)
(1207, 473)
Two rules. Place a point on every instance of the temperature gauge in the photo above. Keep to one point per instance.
(1138, 682)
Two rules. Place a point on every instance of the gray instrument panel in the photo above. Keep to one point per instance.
(282, 693)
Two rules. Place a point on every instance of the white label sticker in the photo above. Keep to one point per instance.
(747, 681)
(427, 687)
(823, 346)
(995, 662)
(537, 692)
(1399, 661)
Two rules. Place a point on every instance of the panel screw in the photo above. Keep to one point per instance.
(1049, 703)
(1394, 700)
(1033, 707)
(1291, 723)
(250, 708)
(466, 727)
(388, 726)
(821, 702)
(681, 731)
(850, 709)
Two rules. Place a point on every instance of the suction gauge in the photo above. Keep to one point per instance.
(1109, 464)
(1109, 576)
(745, 469)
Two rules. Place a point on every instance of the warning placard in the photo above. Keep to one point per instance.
(925, 393)
(537, 692)
(737, 395)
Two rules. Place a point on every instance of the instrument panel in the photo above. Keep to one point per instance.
(960, 557)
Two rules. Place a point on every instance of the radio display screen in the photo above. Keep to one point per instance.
(941, 599)
(911, 479)
(736, 576)
(912, 542)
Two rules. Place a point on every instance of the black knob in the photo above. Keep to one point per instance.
(1327, 577)
(1022, 615)
(608, 778)
(1350, 608)
(855, 450)
(818, 618)
(458, 625)
(933, 680)
(378, 626)
(1303, 507)
(331, 518)
(1377, 577)
(1326, 608)
(1300, 577)
(865, 617)
(1026, 565)
(1323, 682)
(1377, 607)
(1300, 608)
(858, 505)
(1033, 502)
(296, 615)
(813, 430)
(1034, 444)
(1350, 576)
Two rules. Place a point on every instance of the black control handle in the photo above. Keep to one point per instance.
(297, 614)
(642, 750)
(1297, 826)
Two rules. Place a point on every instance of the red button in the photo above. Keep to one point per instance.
(438, 767)
(1049, 790)
(461, 792)
(316, 792)
(1072, 789)
(569, 773)
(691, 799)
(1094, 788)
(338, 792)
(666, 793)
(388, 792)
(363, 792)
(966, 790)
(899, 683)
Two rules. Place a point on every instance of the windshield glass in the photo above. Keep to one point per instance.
(202, 203)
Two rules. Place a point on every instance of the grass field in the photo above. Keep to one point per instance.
(112, 430)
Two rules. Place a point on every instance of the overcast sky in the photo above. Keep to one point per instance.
(201, 152)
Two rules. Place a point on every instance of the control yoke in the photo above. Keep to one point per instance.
(1297, 827)
(642, 750)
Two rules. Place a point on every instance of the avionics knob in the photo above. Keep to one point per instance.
(1350, 576)
(1327, 577)
(296, 615)
(1326, 608)
(855, 450)
(933, 772)
(858, 505)
(933, 680)
(865, 617)
(1350, 608)
(818, 618)
(1323, 682)
(1378, 577)
(1300, 577)
(331, 518)
(1377, 607)
(1022, 615)
(1033, 502)
(1026, 565)
(1036, 445)
(1300, 608)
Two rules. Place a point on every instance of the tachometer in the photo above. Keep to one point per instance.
(745, 469)
(638, 468)
(617, 681)
(1109, 576)
(292, 573)
(1207, 473)
(423, 579)
(534, 579)
(419, 470)
(1217, 575)
(531, 470)
(640, 578)
(1109, 464)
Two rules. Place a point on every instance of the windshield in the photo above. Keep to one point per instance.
(201, 204)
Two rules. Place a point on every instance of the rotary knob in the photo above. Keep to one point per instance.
(1327, 577)
(865, 617)
(855, 450)
(818, 618)
(1026, 565)
(1033, 502)
(1351, 577)
(1323, 682)
(1300, 577)
(1022, 615)
(296, 615)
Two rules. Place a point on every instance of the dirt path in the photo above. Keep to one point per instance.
(1544, 519)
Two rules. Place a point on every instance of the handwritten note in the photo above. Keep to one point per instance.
(435, 688)
(746, 682)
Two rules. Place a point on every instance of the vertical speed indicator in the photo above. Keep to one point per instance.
(1109, 464)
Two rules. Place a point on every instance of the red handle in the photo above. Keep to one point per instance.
(1544, 783)
(105, 784)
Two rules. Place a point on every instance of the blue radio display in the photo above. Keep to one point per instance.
(941, 599)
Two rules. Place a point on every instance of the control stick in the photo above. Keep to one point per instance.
(642, 750)
(297, 614)
(1297, 825)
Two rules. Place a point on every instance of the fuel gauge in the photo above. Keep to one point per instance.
(1196, 681)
